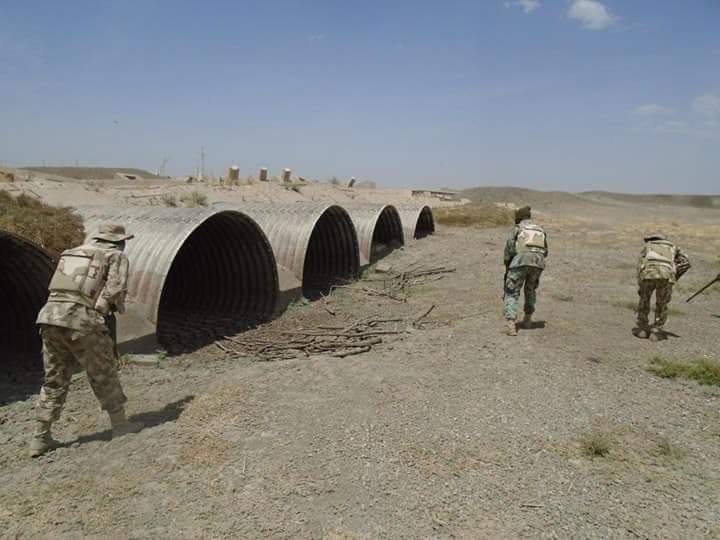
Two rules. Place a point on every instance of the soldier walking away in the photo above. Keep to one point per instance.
(525, 252)
(90, 283)
(661, 264)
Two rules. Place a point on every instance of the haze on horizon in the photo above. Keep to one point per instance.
(549, 94)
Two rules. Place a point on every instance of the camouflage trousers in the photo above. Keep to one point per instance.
(66, 352)
(517, 278)
(663, 294)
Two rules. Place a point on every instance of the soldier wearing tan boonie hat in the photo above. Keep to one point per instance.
(87, 288)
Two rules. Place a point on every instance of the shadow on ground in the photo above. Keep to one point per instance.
(169, 413)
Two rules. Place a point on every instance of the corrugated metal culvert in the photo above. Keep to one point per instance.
(379, 229)
(194, 271)
(25, 272)
(316, 242)
(417, 221)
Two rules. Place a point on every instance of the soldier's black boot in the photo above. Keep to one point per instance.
(42, 441)
(120, 424)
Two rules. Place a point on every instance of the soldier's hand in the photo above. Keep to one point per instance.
(102, 306)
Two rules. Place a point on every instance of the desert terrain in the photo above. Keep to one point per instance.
(446, 429)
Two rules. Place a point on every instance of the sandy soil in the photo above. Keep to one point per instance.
(451, 430)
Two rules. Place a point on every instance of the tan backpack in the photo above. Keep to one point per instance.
(80, 276)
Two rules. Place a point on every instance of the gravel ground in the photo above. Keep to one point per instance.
(452, 430)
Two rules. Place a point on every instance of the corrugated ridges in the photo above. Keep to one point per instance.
(378, 226)
(25, 272)
(417, 221)
(316, 242)
(194, 260)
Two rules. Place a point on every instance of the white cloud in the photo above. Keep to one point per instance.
(528, 6)
(707, 106)
(653, 109)
(593, 15)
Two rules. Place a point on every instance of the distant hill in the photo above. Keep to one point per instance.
(90, 173)
(548, 199)
(696, 201)
(519, 196)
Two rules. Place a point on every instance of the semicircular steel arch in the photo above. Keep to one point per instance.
(190, 266)
(25, 272)
(417, 221)
(379, 229)
(316, 242)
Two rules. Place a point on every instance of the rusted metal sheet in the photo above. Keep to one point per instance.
(194, 262)
(378, 227)
(25, 272)
(417, 221)
(316, 242)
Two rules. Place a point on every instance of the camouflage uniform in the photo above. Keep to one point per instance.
(76, 336)
(523, 271)
(658, 276)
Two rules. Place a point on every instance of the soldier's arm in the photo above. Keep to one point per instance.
(509, 254)
(546, 245)
(641, 261)
(116, 285)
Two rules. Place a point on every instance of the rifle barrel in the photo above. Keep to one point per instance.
(705, 287)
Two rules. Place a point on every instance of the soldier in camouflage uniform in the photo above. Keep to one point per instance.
(89, 283)
(525, 252)
(661, 264)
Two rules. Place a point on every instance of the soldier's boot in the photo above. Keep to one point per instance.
(42, 441)
(120, 424)
(527, 321)
(511, 328)
(641, 333)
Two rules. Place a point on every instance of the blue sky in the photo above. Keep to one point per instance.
(550, 94)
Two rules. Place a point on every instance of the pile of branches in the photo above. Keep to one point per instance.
(338, 341)
(396, 284)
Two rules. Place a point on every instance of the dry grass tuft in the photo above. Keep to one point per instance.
(474, 216)
(168, 199)
(596, 444)
(564, 297)
(194, 199)
(705, 371)
(669, 450)
(51, 227)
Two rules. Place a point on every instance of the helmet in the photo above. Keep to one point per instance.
(657, 235)
(522, 213)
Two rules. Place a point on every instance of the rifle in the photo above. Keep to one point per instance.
(111, 323)
(715, 280)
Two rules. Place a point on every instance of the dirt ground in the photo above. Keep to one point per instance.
(449, 430)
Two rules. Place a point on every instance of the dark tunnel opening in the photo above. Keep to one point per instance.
(388, 234)
(332, 254)
(25, 272)
(425, 224)
(222, 280)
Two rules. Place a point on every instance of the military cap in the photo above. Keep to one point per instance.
(522, 213)
(112, 233)
(657, 235)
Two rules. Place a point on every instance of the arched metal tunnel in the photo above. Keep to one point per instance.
(25, 272)
(417, 221)
(195, 274)
(317, 243)
(379, 229)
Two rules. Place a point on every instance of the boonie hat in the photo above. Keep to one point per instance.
(112, 233)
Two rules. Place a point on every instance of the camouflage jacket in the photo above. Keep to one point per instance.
(659, 271)
(82, 318)
(514, 260)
